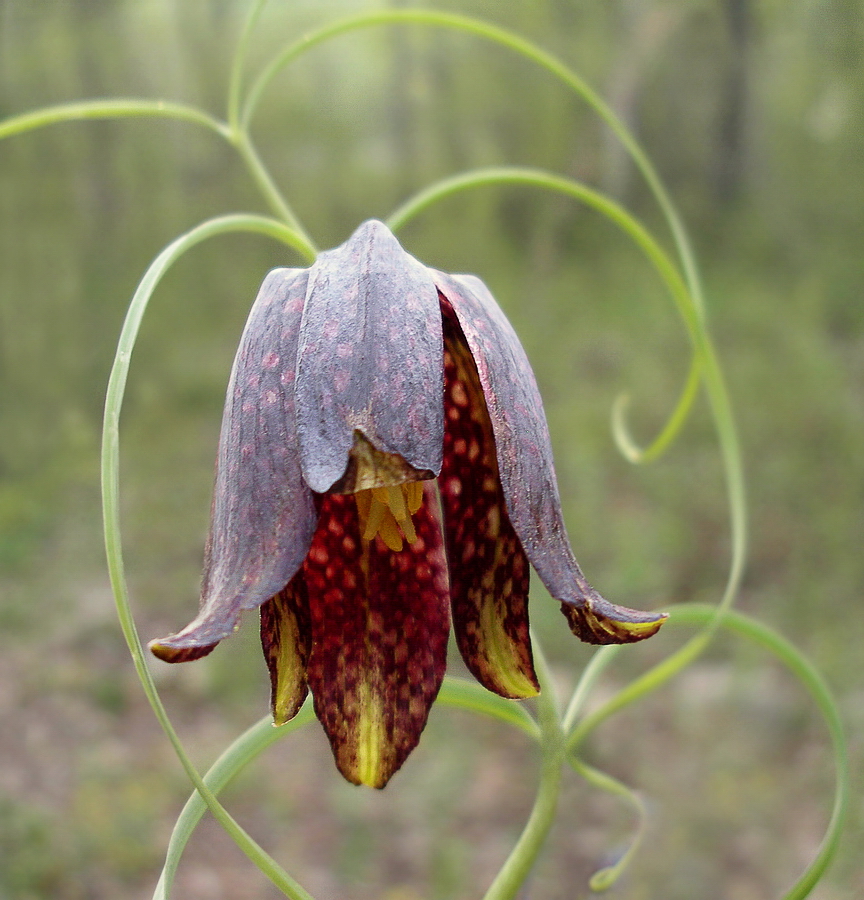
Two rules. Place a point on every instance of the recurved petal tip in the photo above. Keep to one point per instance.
(164, 650)
(597, 621)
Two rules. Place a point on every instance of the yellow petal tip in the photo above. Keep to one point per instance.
(600, 622)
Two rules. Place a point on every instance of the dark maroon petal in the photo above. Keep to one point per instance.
(380, 624)
(369, 359)
(525, 463)
(488, 569)
(263, 515)
(286, 639)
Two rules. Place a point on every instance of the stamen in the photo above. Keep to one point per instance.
(386, 512)
(394, 497)
(413, 495)
(389, 531)
(407, 526)
(375, 518)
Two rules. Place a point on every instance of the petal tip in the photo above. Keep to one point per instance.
(527, 691)
(164, 650)
(597, 621)
(282, 715)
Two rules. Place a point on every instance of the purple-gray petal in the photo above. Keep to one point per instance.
(526, 468)
(263, 514)
(370, 358)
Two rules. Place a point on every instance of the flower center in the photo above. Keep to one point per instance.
(387, 511)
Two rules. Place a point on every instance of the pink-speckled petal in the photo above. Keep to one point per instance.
(527, 473)
(369, 359)
(263, 515)
(380, 623)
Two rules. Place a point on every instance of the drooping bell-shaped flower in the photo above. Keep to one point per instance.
(384, 467)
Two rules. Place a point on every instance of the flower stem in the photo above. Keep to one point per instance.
(236, 81)
(238, 131)
(518, 866)
(240, 139)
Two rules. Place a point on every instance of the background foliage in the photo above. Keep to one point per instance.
(752, 113)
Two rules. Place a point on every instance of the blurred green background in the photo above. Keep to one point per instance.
(752, 112)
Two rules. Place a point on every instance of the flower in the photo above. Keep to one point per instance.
(384, 466)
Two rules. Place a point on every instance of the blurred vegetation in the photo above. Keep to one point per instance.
(751, 111)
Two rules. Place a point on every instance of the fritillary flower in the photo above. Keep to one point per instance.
(384, 468)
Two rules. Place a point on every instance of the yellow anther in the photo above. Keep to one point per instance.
(407, 527)
(364, 503)
(413, 495)
(387, 512)
(389, 531)
(374, 517)
(393, 496)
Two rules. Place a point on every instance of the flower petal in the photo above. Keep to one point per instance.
(525, 463)
(369, 360)
(380, 625)
(286, 639)
(488, 570)
(263, 515)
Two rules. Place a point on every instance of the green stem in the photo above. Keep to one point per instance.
(235, 84)
(650, 681)
(598, 664)
(517, 868)
(239, 132)
(233, 760)
(111, 509)
(809, 676)
(727, 436)
(268, 188)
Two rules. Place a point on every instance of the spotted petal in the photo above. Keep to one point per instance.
(380, 624)
(488, 569)
(263, 515)
(524, 455)
(286, 639)
(369, 362)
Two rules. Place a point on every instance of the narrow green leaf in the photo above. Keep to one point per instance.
(793, 659)
(656, 256)
(463, 694)
(111, 508)
(114, 108)
(235, 81)
(604, 878)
